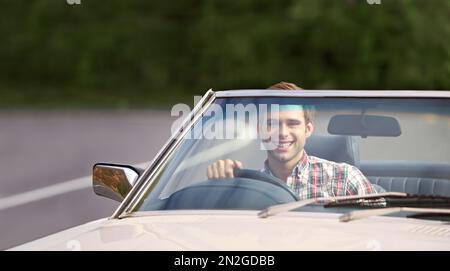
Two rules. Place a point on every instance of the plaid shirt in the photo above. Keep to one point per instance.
(315, 177)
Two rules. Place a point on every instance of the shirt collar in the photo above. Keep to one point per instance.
(302, 164)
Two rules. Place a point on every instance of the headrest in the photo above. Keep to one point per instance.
(340, 149)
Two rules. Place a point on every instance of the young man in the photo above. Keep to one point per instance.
(307, 176)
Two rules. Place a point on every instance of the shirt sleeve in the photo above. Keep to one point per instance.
(357, 183)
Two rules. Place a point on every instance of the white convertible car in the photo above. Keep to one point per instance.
(397, 142)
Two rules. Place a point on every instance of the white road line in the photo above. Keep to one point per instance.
(48, 191)
(45, 192)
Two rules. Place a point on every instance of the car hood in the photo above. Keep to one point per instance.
(242, 230)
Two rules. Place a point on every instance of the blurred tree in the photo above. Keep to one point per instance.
(139, 53)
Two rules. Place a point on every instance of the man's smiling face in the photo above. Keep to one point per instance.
(288, 131)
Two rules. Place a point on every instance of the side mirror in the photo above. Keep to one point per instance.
(113, 181)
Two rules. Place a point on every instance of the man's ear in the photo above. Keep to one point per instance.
(309, 129)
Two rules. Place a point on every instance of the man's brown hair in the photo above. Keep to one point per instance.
(284, 85)
(308, 111)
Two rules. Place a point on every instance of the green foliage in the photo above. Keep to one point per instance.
(137, 53)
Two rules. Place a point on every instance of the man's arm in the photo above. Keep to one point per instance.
(358, 184)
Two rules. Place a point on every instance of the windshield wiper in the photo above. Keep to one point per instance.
(411, 200)
(385, 211)
(281, 208)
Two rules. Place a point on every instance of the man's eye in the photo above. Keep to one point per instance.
(294, 123)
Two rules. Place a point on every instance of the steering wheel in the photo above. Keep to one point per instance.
(263, 177)
(249, 189)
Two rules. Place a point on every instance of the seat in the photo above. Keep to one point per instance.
(412, 185)
(340, 149)
(410, 177)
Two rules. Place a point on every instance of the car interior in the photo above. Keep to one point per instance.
(189, 187)
(397, 176)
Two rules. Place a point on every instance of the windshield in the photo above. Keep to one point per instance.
(280, 150)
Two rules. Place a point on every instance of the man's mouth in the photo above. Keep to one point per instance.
(284, 145)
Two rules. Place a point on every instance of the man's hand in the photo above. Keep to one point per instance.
(223, 169)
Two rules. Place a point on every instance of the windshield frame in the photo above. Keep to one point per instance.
(142, 183)
(138, 192)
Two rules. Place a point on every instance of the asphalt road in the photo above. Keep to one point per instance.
(39, 150)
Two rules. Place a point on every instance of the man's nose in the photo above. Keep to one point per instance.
(283, 131)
